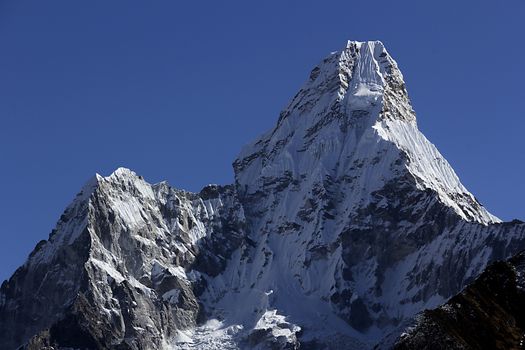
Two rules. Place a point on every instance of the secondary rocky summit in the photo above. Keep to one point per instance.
(343, 223)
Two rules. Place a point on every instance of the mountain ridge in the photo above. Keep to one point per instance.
(344, 207)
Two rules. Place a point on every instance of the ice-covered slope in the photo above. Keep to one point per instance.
(353, 119)
(343, 223)
(369, 214)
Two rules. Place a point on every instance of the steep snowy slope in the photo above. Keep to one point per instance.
(343, 223)
(374, 222)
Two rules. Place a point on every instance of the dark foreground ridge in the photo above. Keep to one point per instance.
(488, 314)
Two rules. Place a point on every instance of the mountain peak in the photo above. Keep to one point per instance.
(360, 69)
(343, 207)
(122, 172)
(354, 110)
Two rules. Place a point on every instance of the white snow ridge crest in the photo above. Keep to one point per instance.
(343, 223)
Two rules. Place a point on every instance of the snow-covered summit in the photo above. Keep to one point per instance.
(354, 110)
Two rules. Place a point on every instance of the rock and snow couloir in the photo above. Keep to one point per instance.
(343, 223)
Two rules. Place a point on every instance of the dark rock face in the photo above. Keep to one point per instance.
(34, 297)
(488, 314)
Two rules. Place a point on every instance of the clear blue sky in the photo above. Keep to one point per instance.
(173, 89)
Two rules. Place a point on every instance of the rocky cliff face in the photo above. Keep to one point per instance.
(122, 265)
(343, 223)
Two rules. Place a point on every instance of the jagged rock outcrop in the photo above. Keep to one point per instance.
(119, 268)
(343, 223)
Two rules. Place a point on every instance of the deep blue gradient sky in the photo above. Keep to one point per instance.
(173, 89)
